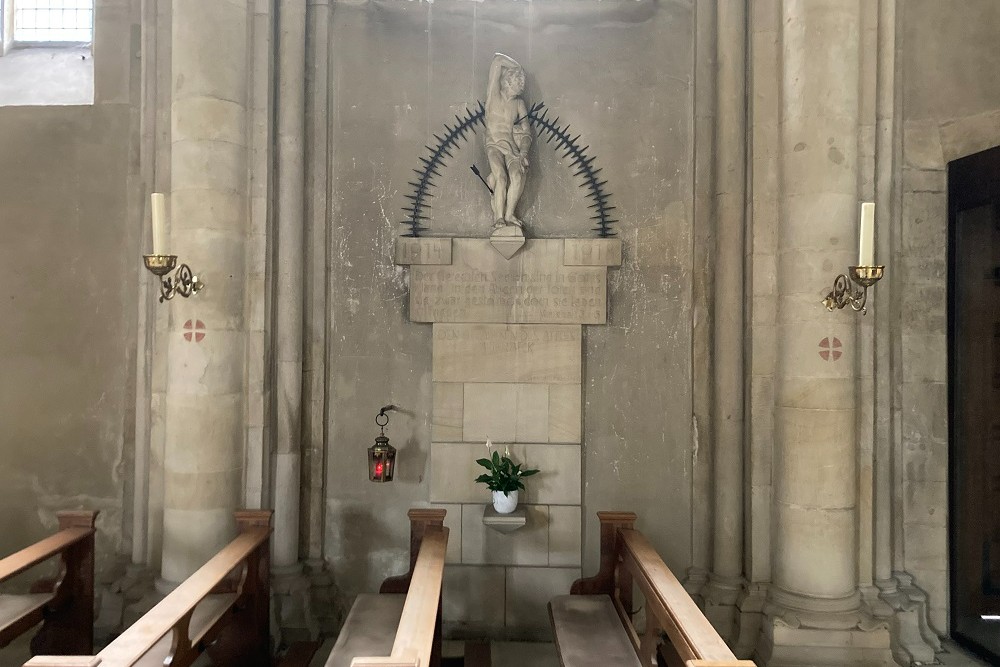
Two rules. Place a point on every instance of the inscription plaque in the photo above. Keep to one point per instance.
(507, 353)
(534, 287)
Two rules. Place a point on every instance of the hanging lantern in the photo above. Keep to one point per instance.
(382, 455)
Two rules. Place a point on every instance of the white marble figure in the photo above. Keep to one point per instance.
(508, 137)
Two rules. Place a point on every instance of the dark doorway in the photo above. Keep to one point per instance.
(974, 400)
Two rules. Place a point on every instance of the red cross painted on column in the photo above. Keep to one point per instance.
(193, 330)
(830, 350)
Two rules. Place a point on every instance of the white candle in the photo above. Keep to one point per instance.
(159, 208)
(866, 243)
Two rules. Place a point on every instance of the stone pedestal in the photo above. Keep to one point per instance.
(507, 364)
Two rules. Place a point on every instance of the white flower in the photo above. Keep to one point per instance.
(489, 444)
(506, 451)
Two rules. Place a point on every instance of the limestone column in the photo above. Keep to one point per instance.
(814, 549)
(815, 464)
(289, 299)
(205, 411)
(726, 581)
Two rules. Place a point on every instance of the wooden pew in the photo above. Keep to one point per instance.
(593, 624)
(65, 605)
(209, 612)
(401, 626)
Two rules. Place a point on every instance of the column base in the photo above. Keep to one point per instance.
(749, 616)
(799, 631)
(913, 640)
(292, 618)
(721, 596)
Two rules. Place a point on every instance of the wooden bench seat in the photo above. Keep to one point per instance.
(401, 626)
(370, 628)
(596, 628)
(210, 612)
(590, 634)
(63, 605)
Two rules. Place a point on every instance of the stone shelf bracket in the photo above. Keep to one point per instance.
(504, 523)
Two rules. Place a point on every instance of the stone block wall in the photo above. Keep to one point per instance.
(516, 379)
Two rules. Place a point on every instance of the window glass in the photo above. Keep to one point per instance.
(53, 20)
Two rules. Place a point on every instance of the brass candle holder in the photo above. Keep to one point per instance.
(184, 282)
(852, 288)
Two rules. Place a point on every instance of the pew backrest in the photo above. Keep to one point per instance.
(233, 623)
(64, 605)
(627, 560)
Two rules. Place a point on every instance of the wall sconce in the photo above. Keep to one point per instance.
(852, 288)
(184, 282)
(382, 455)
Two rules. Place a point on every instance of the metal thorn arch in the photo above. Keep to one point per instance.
(549, 128)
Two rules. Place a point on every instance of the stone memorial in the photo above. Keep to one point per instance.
(507, 364)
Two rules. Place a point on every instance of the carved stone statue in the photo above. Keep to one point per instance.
(508, 137)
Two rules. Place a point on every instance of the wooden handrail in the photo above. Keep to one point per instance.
(41, 551)
(415, 633)
(161, 619)
(173, 613)
(414, 643)
(692, 635)
(627, 559)
(67, 615)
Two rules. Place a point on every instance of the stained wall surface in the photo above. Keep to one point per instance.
(69, 258)
(950, 108)
(621, 74)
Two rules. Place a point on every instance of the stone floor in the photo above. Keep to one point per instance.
(524, 654)
(954, 656)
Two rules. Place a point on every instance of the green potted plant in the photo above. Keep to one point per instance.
(503, 478)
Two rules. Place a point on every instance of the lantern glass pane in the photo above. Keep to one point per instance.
(381, 463)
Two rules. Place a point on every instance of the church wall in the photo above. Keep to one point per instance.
(950, 108)
(621, 74)
(69, 260)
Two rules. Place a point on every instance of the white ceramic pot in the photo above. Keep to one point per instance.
(505, 504)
